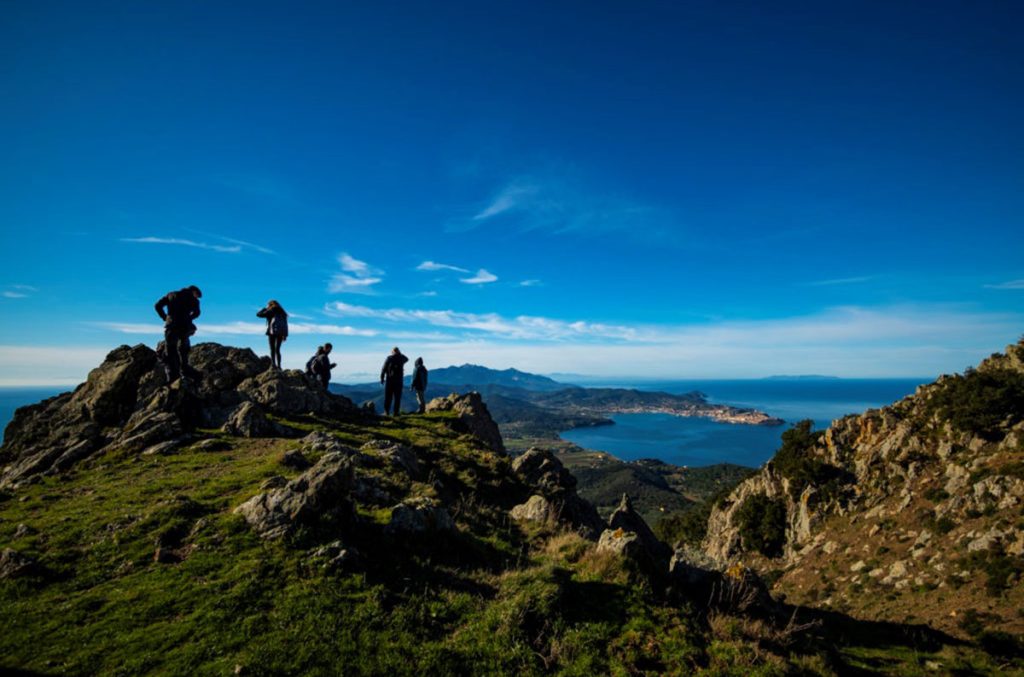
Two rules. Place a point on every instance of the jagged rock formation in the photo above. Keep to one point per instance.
(912, 508)
(319, 494)
(473, 417)
(126, 405)
(554, 498)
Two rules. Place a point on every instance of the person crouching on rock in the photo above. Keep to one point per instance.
(177, 309)
(391, 375)
(419, 383)
(320, 365)
(277, 329)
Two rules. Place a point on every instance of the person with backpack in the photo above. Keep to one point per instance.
(277, 329)
(178, 309)
(391, 375)
(419, 384)
(319, 366)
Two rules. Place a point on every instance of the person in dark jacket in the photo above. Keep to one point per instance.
(419, 383)
(391, 375)
(277, 329)
(321, 364)
(178, 309)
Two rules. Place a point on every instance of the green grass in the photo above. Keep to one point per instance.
(492, 598)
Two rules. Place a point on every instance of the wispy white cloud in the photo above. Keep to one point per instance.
(521, 327)
(558, 201)
(229, 249)
(1011, 284)
(237, 329)
(530, 283)
(433, 266)
(18, 291)
(839, 281)
(361, 279)
(482, 277)
(429, 294)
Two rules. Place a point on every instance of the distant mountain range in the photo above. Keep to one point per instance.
(475, 374)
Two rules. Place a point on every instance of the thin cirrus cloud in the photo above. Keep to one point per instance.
(1010, 284)
(839, 281)
(482, 277)
(530, 283)
(560, 203)
(434, 266)
(238, 329)
(523, 327)
(358, 277)
(227, 249)
(18, 291)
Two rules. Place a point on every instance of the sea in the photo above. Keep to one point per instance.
(687, 441)
(699, 442)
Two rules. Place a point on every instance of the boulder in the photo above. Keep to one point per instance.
(536, 509)
(290, 392)
(397, 455)
(473, 417)
(14, 564)
(628, 519)
(295, 459)
(541, 470)
(419, 516)
(321, 492)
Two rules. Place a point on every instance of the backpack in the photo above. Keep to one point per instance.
(309, 364)
(279, 324)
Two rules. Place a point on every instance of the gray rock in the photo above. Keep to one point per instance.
(320, 442)
(473, 418)
(321, 491)
(536, 509)
(274, 482)
(295, 459)
(14, 564)
(249, 420)
(23, 530)
(628, 519)
(419, 516)
(541, 470)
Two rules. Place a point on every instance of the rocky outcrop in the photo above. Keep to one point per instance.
(923, 494)
(419, 517)
(126, 405)
(628, 535)
(319, 495)
(472, 417)
(554, 494)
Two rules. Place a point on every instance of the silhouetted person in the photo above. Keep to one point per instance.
(321, 364)
(311, 361)
(177, 309)
(391, 375)
(419, 383)
(277, 329)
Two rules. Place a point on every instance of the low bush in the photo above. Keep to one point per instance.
(762, 525)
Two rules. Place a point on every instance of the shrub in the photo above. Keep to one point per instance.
(762, 524)
(979, 402)
(795, 462)
(684, 526)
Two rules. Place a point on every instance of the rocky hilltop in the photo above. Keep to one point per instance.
(910, 512)
(252, 523)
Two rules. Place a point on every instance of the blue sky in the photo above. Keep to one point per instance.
(662, 189)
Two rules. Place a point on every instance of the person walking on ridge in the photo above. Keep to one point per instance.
(277, 329)
(419, 384)
(391, 375)
(178, 309)
(320, 365)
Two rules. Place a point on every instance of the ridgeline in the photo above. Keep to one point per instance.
(254, 523)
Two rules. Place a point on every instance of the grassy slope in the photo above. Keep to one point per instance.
(492, 598)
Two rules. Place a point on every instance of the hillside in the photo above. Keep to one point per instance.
(472, 374)
(912, 512)
(255, 524)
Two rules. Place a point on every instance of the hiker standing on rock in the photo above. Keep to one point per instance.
(419, 383)
(391, 375)
(277, 329)
(177, 309)
(319, 366)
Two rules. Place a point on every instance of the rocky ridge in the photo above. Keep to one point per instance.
(915, 508)
(125, 405)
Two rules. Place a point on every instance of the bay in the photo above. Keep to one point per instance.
(12, 397)
(701, 441)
